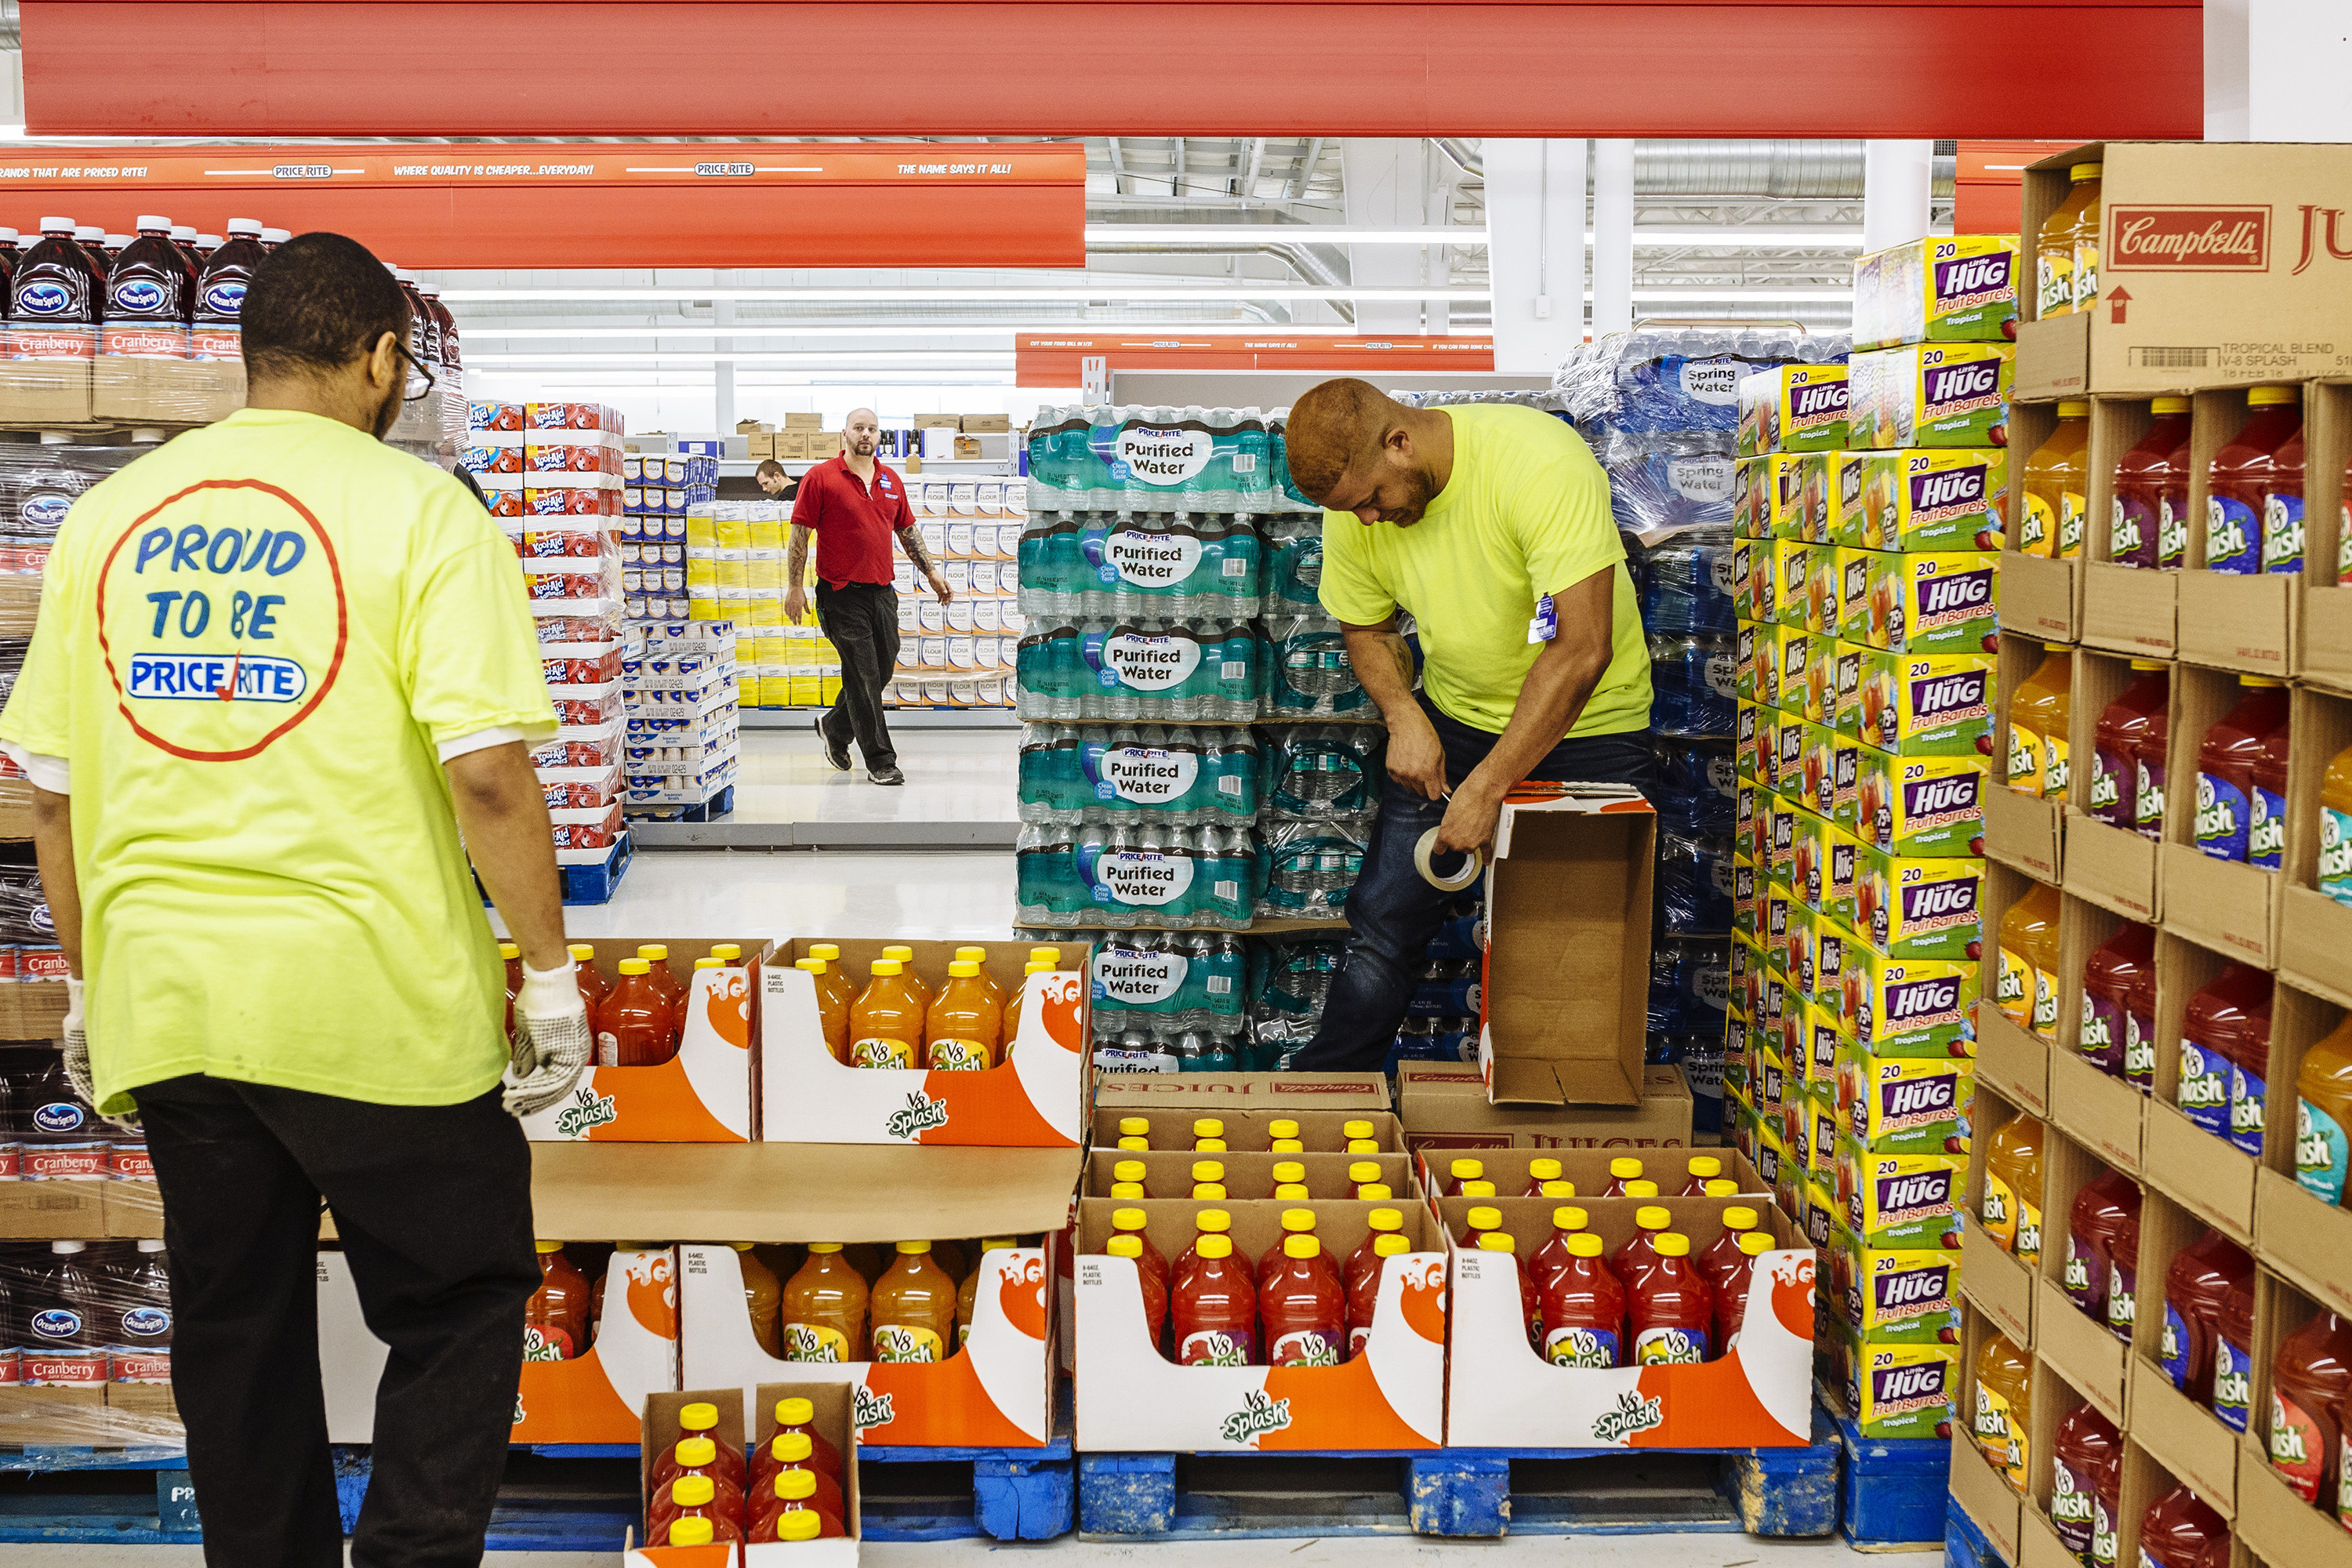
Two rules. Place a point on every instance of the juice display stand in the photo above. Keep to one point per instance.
(995, 1392)
(592, 1398)
(1034, 1099)
(702, 1095)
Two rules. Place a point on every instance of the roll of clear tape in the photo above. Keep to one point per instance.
(1473, 864)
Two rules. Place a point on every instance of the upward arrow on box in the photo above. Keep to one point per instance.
(2116, 300)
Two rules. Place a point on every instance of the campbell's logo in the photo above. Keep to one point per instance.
(1947, 486)
(1972, 275)
(44, 299)
(57, 1323)
(2188, 238)
(138, 295)
(59, 1116)
(1946, 384)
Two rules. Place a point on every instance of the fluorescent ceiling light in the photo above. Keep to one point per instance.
(1215, 233)
(1010, 292)
(893, 358)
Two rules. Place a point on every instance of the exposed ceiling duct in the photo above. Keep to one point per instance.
(1786, 168)
(12, 36)
(1318, 264)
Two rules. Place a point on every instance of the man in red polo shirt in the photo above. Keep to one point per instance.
(853, 505)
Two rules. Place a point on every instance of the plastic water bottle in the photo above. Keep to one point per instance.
(1240, 567)
(1251, 466)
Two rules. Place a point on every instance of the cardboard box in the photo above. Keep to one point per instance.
(2124, 608)
(1918, 602)
(1893, 1391)
(1170, 1130)
(594, 1397)
(1034, 1099)
(2271, 1517)
(1502, 1394)
(986, 424)
(1960, 288)
(760, 447)
(2179, 1431)
(1215, 1092)
(45, 391)
(2200, 1171)
(789, 445)
(130, 390)
(2054, 359)
(2235, 622)
(2298, 1230)
(1391, 1395)
(823, 444)
(993, 1392)
(2199, 240)
(803, 422)
(1170, 1173)
(2001, 1281)
(1916, 705)
(1791, 408)
(1443, 1106)
(1587, 1170)
(831, 1404)
(2314, 932)
(1941, 395)
(1564, 1007)
(2114, 867)
(1983, 1493)
(2325, 658)
(1931, 498)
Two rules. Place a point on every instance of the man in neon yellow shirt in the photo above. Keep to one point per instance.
(1489, 524)
(279, 664)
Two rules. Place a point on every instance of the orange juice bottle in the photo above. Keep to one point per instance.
(832, 1015)
(965, 1022)
(2335, 827)
(2032, 708)
(763, 1294)
(2029, 952)
(1013, 1003)
(905, 957)
(886, 1022)
(837, 973)
(593, 983)
(672, 989)
(914, 1308)
(2003, 1416)
(2012, 1190)
(2324, 1116)
(2057, 478)
(979, 955)
(968, 1292)
(2054, 252)
(824, 1309)
(2057, 714)
(2086, 235)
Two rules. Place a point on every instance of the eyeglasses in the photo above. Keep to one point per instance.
(420, 379)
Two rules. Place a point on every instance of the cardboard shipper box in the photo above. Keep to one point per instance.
(1589, 1171)
(1389, 1396)
(1164, 1130)
(1444, 1106)
(832, 1422)
(1245, 1176)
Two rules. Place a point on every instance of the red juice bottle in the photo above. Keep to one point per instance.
(594, 986)
(1154, 1285)
(1530, 1305)
(1621, 1170)
(796, 1416)
(633, 1024)
(1567, 1222)
(2141, 477)
(2100, 1209)
(1295, 1221)
(2179, 1531)
(2220, 1029)
(1703, 1168)
(1540, 1173)
(1721, 1260)
(1731, 1297)
(693, 1501)
(2086, 1457)
(2111, 1029)
(2266, 825)
(2123, 1277)
(2115, 773)
(1364, 1283)
(1461, 1171)
(1484, 1217)
(1639, 1255)
(1584, 1307)
(1205, 1222)
(2202, 1276)
(2233, 1357)
(795, 1494)
(2148, 763)
(1213, 1307)
(2282, 538)
(699, 1419)
(696, 1456)
(511, 955)
(1304, 1307)
(2240, 476)
(2309, 1376)
(1670, 1310)
(2225, 766)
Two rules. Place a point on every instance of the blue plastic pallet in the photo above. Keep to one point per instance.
(65, 1494)
(1896, 1488)
(711, 810)
(1464, 1492)
(593, 884)
(1965, 1546)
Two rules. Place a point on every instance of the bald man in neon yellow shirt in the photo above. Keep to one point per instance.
(1489, 524)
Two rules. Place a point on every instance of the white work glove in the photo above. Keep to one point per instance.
(76, 1046)
(551, 1040)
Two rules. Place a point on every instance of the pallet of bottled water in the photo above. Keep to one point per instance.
(1141, 669)
(1164, 982)
(1181, 777)
(1107, 457)
(1173, 564)
(1147, 874)
(1322, 772)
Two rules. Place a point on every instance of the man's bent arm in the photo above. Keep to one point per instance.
(53, 848)
(502, 811)
(1556, 691)
(1383, 661)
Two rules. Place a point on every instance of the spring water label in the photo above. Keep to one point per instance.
(1151, 559)
(1703, 480)
(2233, 1380)
(1712, 381)
(2246, 1092)
(1148, 661)
(1581, 1347)
(2266, 830)
(2224, 814)
(1141, 775)
(2232, 536)
(2282, 534)
(1159, 454)
(2320, 1152)
(2204, 1092)
(1130, 977)
(1150, 877)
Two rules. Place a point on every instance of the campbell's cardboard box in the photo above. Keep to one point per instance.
(1212, 1092)
(831, 1420)
(996, 1391)
(1670, 1391)
(1443, 1106)
(1564, 1008)
(593, 1398)
(703, 1094)
(2220, 263)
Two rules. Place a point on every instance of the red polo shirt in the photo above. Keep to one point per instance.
(854, 522)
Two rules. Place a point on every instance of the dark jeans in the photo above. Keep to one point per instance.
(433, 1203)
(862, 621)
(1392, 911)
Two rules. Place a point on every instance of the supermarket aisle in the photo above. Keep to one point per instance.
(952, 775)
(718, 893)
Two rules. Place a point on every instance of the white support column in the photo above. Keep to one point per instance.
(1535, 252)
(1896, 177)
(1613, 236)
(722, 373)
(2301, 52)
(2227, 112)
(1384, 191)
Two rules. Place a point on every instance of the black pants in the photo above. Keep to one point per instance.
(862, 621)
(433, 1203)
(1392, 911)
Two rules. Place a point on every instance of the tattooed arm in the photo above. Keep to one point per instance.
(795, 569)
(911, 540)
(1383, 661)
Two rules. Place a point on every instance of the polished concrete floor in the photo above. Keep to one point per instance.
(952, 775)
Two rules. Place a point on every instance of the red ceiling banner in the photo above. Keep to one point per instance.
(1054, 359)
(2071, 68)
(600, 206)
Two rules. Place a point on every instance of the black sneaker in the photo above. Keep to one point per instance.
(836, 751)
(887, 777)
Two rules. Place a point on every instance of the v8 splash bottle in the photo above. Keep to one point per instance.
(2087, 1459)
(2238, 478)
(2202, 1278)
(2309, 1378)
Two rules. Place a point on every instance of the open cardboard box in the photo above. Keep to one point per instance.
(2129, 610)
(703, 1094)
(2180, 1431)
(1213, 1094)
(1444, 1106)
(2325, 657)
(2314, 932)
(1564, 1008)
(1390, 1395)
(2105, 1113)
(2271, 1519)
(1993, 1277)
(2109, 865)
(831, 1401)
(1502, 1394)
(2230, 906)
(2040, 595)
(592, 1398)
(2300, 1234)
(2040, 1544)
(1588, 1169)
(2079, 1345)
(1247, 1176)
(996, 1391)
(1170, 1129)
(2021, 829)
(1034, 1099)
(2206, 1174)
(1983, 1493)
(2233, 621)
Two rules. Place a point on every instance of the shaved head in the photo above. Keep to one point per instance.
(861, 432)
(1352, 448)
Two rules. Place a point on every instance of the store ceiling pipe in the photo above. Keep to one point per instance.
(1790, 168)
(1313, 263)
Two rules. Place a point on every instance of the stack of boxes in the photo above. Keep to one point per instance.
(802, 438)
(656, 490)
(961, 654)
(1870, 497)
(681, 698)
(735, 560)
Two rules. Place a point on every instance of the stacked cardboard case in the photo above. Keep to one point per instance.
(2176, 909)
(961, 654)
(1867, 496)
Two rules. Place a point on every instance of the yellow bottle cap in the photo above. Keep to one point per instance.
(709, 964)
(1373, 1192)
(882, 966)
(1210, 1191)
(2166, 405)
(1124, 1246)
(792, 1486)
(1386, 1219)
(1134, 1126)
(1497, 1241)
(581, 951)
(1214, 1247)
(813, 965)
(1208, 1126)
(2260, 680)
(1477, 1189)
(962, 969)
(1282, 1127)
(1298, 1219)
(914, 1248)
(791, 1447)
(825, 950)
(1209, 1146)
(900, 951)
(1643, 1189)
(727, 951)
(1584, 1244)
(1132, 1145)
(1650, 1217)
(1129, 1191)
(1125, 1219)
(693, 1491)
(1625, 1170)
(549, 1246)
(794, 1412)
(1722, 1187)
(1756, 1243)
(695, 1531)
(1289, 1170)
(1363, 1146)
(1039, 967)
(1570, 1219)
(695, 1452)
(635, 966)
(700, 1416)
(1044, 955)
(1485, 1218)
(822, 1246)
(1301, 1246)
(1670, 1244)
(977, 954)
(1358, 1129)
(1363, 1171)
(2154, 663)
(737, 1246)
(1560, 1189)
(2068, 409)
(1212, 1220)
(1128, 1171)
(1706, 1167)
(1389, 1246)
(2081, 171)
(1544, 1170)
(1208, 1170)
(507, 950)
(1739, 1217)
(1290, 1192)
(1288, 1146)
(1468, 1170)
(654, 952)
(2268, 396)
(799, 1524)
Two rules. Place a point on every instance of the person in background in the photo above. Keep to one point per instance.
(280, 668)
(853, 505)
(1489, 524)
(771, 478)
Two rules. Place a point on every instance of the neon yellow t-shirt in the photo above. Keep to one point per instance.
(251, 642)
(1525, 513)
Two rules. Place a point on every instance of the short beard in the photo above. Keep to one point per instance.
(388, 415)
